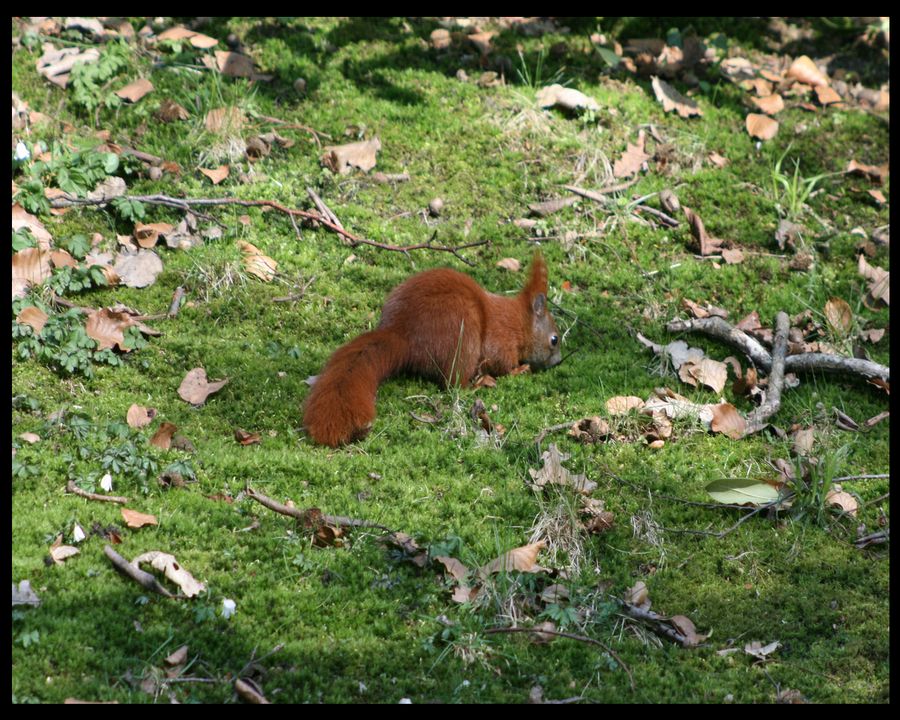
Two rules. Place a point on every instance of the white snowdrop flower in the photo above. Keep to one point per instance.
(228, 608)
(21, 151)
(106, 482)
(405, 701)
(78, 533)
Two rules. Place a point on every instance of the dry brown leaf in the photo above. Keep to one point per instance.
(234, 64)
(804, 70)
(30, 266)
(454, 567)
(61, 553)
(107, 327)
(879, 281)
(838, 315)
(873, 335)
(877, 196)
(727, 420)
(147, 234)
(874, 172)
(135, 519)
(844, 500)
(162, 438)
(804, 438)
(138, 270)
(711, 373)
(440, 39)
(33, 317)
(195, 388)
(671, 99)
(590, 430)
(138, 416)
(255, 263)
(522, 559)
(30, 437)
(510, 264)
(170, 111)
(197, 40)
(732, 256)
(246, 438)
(718, 160)
(632, 160)
(770, 104)
(61, 258)
(464, 594)
(178, 657)
(638, 595)
(761, 126)
(685, 626)
(622, 404)
(708, 244)
(552, 472)
(134, 91)
(217, 175)
(827, 95)
(342, 159)
(760, 86)
(22, 218)
(173, 571)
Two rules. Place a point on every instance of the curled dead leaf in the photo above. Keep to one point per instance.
(761, 126)
(135, 519)
(138, 416)
(342, 159)
(195, 388)
(727, 420)
(107, 327)
(671, 99)
(173, 571)
(804, 70)
(257, 264)
(134, 91)
(33, 317)
(521, 559)
(216, 175)
(162, 438)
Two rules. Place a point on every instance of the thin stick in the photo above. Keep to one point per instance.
(571, 636)
(297, 295)
(883, 476)
(306, 516)
(598, 195)
(657, 622)
(144, 579)
(323, 208)
(188, 203)
(175, 305)
(75, 490)
(667, 219)
(759, 418)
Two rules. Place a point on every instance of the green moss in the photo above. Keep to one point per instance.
(357, 623)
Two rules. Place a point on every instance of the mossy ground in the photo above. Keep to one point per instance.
(358, 623)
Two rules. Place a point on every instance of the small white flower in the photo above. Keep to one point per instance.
(228, 608)
(106, 482)
(78, 533)
(405, 701)
(21, 151)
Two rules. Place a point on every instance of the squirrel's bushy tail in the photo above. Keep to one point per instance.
(341, 405)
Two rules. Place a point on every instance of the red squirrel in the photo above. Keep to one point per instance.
(438, 324)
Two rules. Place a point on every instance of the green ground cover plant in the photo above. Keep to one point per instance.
(328, 611)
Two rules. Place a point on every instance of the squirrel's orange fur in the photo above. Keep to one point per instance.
(438, 324)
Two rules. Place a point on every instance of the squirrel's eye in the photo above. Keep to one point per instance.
(554, 340)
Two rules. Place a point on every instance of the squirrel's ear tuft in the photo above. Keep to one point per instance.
(537, 280)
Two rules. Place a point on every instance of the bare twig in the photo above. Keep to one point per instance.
(658, 623)
(571, 636)
(600, 195)
(759, 418)
(666, 219)
(144, 579)
(323, 208)
(189, 203)
(75, 490)
(539, 438)
(175, 305)
(718, 329)
(306, 517)
(883, 476)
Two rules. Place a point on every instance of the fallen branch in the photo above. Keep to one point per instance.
(144, 579)
(571, 636)
(75, 490)
(876, 538)
(717, 328)
(666, 219)
(323, 208)
(599, 195)
(658, 623)
(307, 517)
(189, 203)
(175, 305)
(759, 418)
